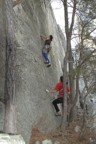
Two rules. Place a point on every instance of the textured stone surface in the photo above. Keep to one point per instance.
(11, 139)
(34, 109)
(2, 63)
(2, 50)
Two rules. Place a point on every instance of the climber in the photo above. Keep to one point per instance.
(46, 49)
(59, 88)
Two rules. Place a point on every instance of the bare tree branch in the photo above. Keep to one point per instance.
(73, 17)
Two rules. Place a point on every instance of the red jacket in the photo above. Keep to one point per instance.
(59, 88)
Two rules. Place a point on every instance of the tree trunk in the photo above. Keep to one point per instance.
(72, 110)
(10, 112)
(64, 116)
(68, 31)
(71, 77)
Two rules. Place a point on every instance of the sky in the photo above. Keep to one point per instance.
(59, 12)
(59, 15)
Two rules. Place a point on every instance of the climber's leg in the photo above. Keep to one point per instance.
(57, 101)
(46, 58)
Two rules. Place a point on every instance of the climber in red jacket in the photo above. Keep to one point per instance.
(59, 88)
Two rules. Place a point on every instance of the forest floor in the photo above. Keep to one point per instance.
(68, 137)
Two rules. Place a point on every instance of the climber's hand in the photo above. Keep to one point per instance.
(47, 90)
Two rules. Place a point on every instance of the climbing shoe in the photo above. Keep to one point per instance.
(58, 113)
(49, 65)
(46, 62)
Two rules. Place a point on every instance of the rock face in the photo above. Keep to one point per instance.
(11, 139)
(2, 63)
(33, 18)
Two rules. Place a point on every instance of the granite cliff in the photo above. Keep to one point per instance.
(33, 18)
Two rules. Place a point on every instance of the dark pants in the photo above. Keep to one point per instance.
(57, 101)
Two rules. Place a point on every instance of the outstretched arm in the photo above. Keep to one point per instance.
(43, 37)
(51, 91)
(56, 89)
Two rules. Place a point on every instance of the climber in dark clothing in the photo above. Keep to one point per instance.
(46, 49)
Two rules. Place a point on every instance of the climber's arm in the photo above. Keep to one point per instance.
(51, 91)
(43, 37)
(54, 90)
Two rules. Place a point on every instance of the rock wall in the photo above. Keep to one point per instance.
(33, 18)
(2, 63)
